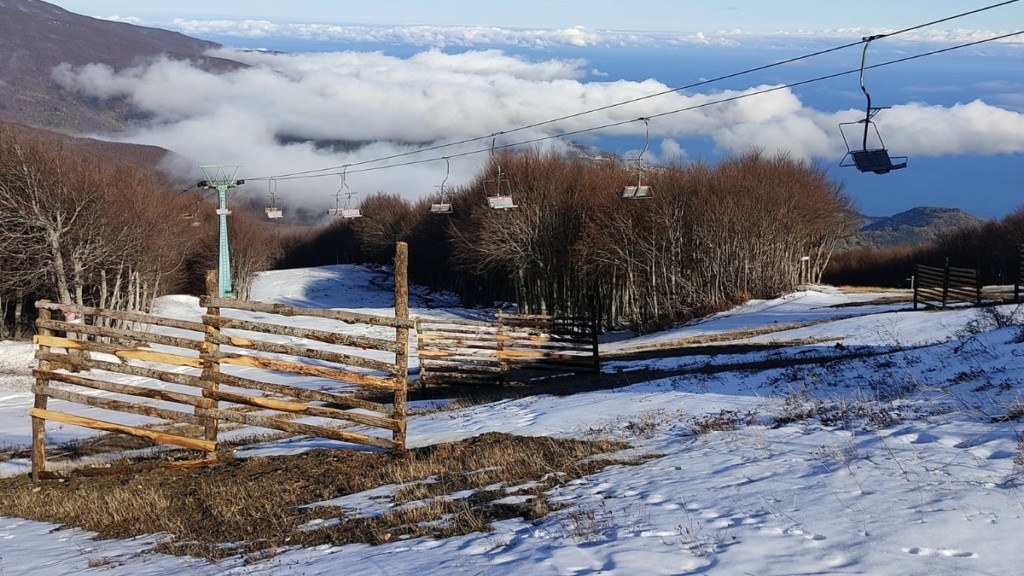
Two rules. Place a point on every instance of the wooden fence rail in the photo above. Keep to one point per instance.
(942, 286)
(475, 352)
(246, 363)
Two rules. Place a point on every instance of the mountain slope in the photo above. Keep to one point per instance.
(914, 227)
(36, 36)
(145, 158)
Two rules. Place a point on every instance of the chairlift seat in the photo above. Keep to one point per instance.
(351, 213)
(274, 213)
(637, 192)
(501, 202)
(442, 208)
(877, 161)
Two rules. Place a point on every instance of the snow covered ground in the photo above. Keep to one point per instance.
(892, 456)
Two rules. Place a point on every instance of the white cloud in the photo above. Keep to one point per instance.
(397, 104)
(577, 36)
(125, 19)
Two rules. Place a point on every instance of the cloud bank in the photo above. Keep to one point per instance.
(267, 115)
(577, 36)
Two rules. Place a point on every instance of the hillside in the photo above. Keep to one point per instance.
(914, 227)
(826, 432)
(145, 158)
(36, 36)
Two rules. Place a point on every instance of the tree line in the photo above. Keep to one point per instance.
(752, 226)
(79, 232)
(993, 249)
(710, 236)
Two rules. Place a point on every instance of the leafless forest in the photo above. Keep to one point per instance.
(77, 231)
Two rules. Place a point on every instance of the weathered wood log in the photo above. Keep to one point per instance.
(300, 408)
(118, 470)
(117, 405)
(453, 322)
(120, 368)
(119, 351)
(40, 402)
(513, 354)
(211, 367)
(159, 437)
(464, 330)
(402, 340)
(304, 352)
(283, 310)
(297, 428)
(304, 394)
(362, 342)
(463, 366)
(116, 388)
(128, 335)
(147, 319)
(347, 376)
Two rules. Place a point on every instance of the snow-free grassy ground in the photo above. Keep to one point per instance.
(892, 453)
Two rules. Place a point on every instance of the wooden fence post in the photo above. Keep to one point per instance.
(1020, 273)
(402, 337)
(503, 365)
(945, 284)
(209, 353)
(916, 286)
(595, 326)
(40, 403)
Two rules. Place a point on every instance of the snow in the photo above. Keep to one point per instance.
(912, 473)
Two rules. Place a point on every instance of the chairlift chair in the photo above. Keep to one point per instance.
(865, 159)
(500, 197)
(347, 211)
(273, 210)
(640, 191)
(444, 203)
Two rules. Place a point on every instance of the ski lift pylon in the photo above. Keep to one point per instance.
(444, 203)
(640, 190)
(500, 197)
(273, 210)
(865, 158)
(347, 211)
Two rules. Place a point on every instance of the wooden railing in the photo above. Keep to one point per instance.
(1020, 273)
(245, 363)
(942, 286)
(466, 351)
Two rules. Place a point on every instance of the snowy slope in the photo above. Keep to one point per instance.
(909, 468)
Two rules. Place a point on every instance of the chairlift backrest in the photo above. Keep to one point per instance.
(501, 203)
(637, 192)
(441, 208)
(877, 161)
(274, 213)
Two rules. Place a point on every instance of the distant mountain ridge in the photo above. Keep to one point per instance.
(36, 36)
(914, 227)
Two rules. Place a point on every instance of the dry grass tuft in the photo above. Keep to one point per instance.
(257, 505)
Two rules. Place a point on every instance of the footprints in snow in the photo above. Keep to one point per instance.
(941, 552)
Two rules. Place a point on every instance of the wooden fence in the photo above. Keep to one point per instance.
(941, 286)
(1020, 273)
(474, 352)
(245, 363)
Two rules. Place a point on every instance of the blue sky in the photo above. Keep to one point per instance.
(402, 73)
(667, 15)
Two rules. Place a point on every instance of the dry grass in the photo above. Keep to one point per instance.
(257, 505)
